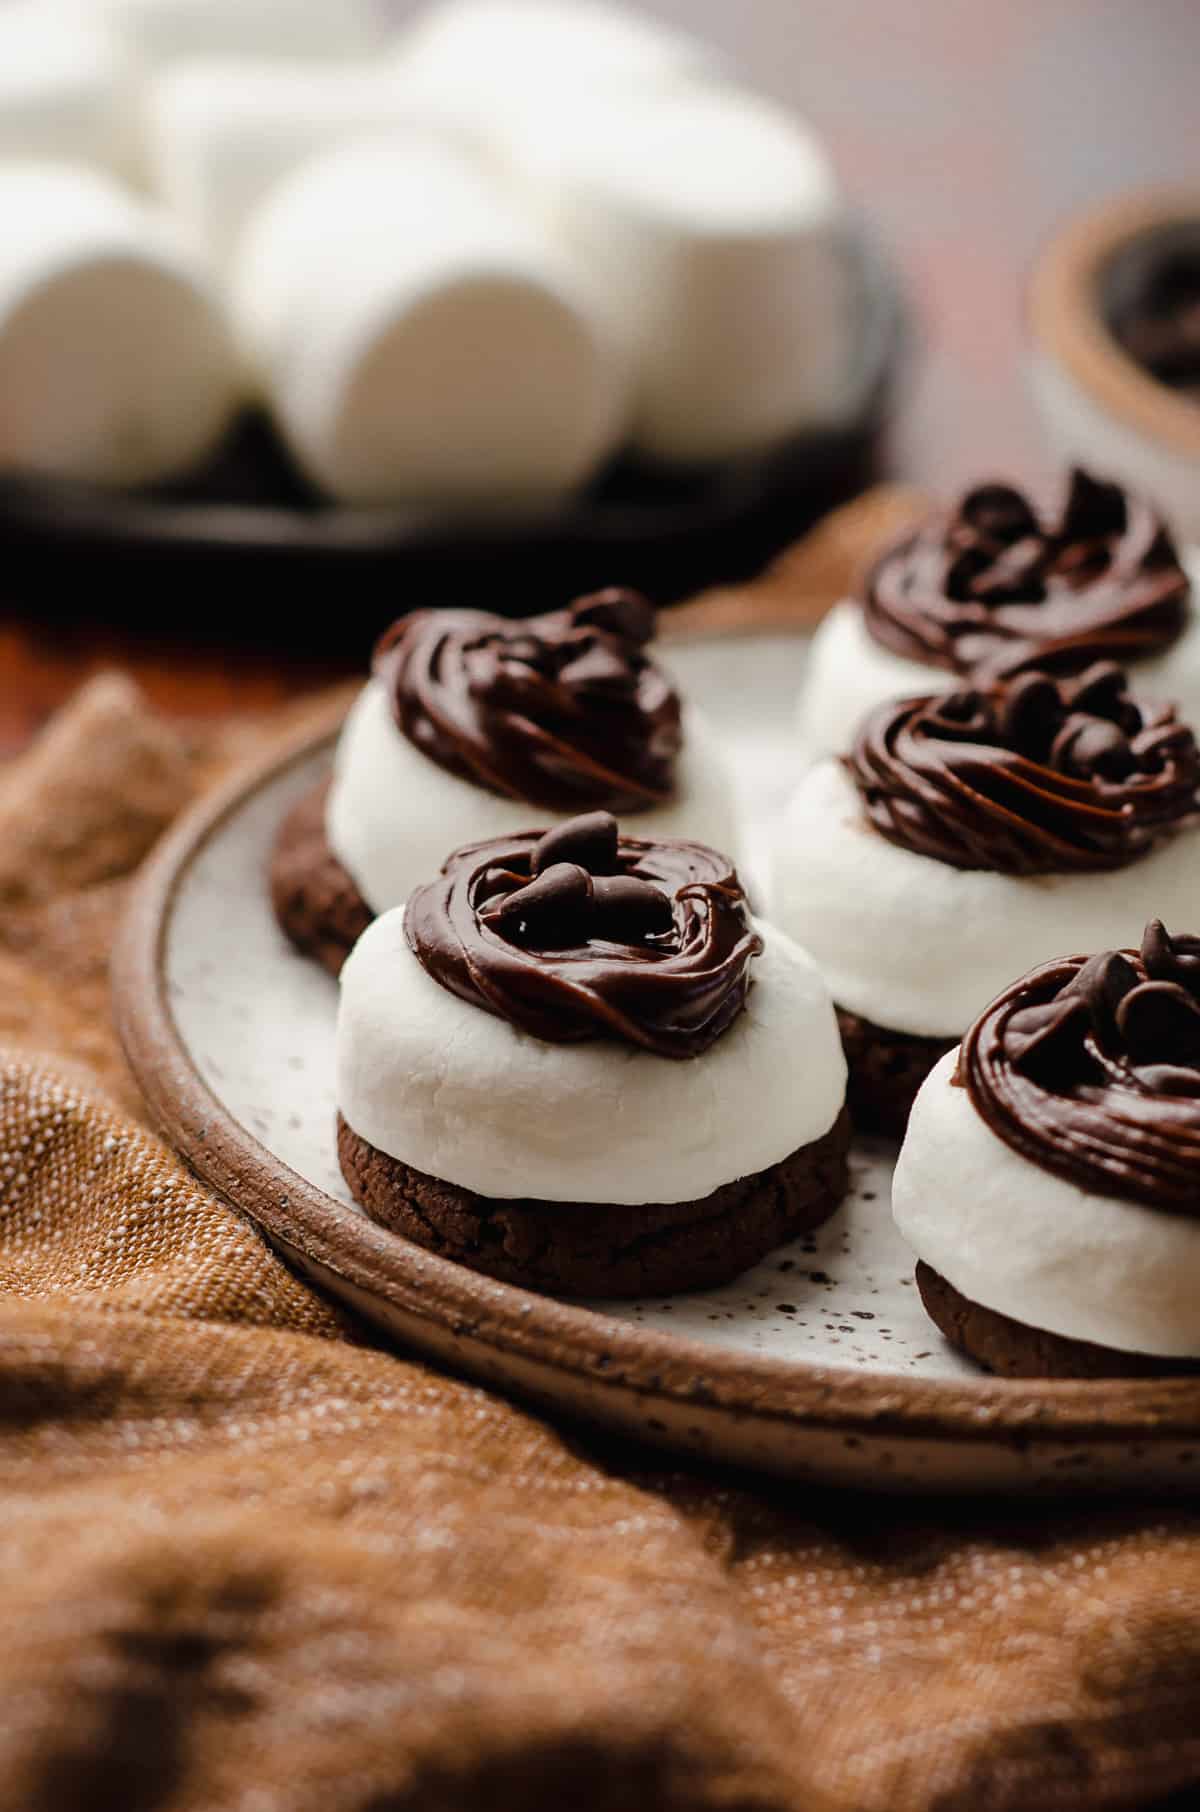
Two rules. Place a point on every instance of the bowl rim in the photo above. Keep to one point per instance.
(1066, 325)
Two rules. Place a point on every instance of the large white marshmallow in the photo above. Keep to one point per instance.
(848, 673)
(60, 86)
(705, 225)
(221, 133)
(1015, 1239)
(393, 815)
(417, 340)
(464, 1096)
(920, 947)
(497, 56)
(156, 33)
(115, 363)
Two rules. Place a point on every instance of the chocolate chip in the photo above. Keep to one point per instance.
(1160, 1023)
(1092, 746)
(554, 909)
(1092, 508)
(623, 613)
(1103, 983)
(627, 909)
(999, 512)
(590, 840)
(1099, 691)
(1030, 713)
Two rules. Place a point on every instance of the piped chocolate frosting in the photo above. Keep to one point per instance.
(1090, 1068)
(583, 933)
(565, 710)
(1032, 776)
(990, 587)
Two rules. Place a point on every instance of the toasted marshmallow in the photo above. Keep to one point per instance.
(450, 362)
(221, 133)
(706, 227)
(115, 364)
(60, 86)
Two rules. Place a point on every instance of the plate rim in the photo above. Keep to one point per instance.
(581, 1343)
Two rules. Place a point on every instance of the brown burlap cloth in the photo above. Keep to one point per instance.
(250, 1562)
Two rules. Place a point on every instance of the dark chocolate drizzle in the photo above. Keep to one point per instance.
(564, 710)
(988, 587)
(582, 933)
(1033, 776)
(1090, 1068)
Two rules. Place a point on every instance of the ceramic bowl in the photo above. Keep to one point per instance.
(1099, 406)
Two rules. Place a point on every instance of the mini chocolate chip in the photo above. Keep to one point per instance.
(1099, 691)
(1090, 746)
(627, 909)
(1093, 507)
(1103, 983)
(619, 611)
(1030, 713)
(553, 909)
(964, 716)
(1160, 1022)
(589, 840)
(999, 511)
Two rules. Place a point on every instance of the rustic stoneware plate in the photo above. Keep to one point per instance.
(819, 1363)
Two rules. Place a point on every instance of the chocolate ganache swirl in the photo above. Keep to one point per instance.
(989, 587)
(564, 710)
(583, 933)
(1090, 1068)
(1032, 776)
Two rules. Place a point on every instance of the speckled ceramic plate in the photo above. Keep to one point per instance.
(818, 1363)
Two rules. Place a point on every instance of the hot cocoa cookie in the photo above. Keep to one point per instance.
(316, 900)
(575, 1061)
(604, 1249)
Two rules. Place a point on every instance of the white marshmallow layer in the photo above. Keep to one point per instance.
(115, 364)
(461, 1095)
(393, 816)
(1015, 1239)
(451, 362)
(920, 947)
(848, 673)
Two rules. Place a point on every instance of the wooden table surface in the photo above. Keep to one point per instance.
(965, 131)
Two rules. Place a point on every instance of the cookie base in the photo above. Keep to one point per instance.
(593, 1249)
(886, 1070)
(316, 902)
(1014, 1350)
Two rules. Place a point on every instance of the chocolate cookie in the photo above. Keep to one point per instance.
(1016, 1351)
(886, 1070)
(315, 900)
(598, 1249)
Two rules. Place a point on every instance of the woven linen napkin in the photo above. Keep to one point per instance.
(250, 1561)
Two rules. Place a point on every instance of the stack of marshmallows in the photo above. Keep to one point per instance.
(462, 267)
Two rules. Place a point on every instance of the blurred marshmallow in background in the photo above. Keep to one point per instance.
(484, 58)
(707, 230)
(221, 134)
(153, 34)
(420, 340)
(115, 364)
(61, 92)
